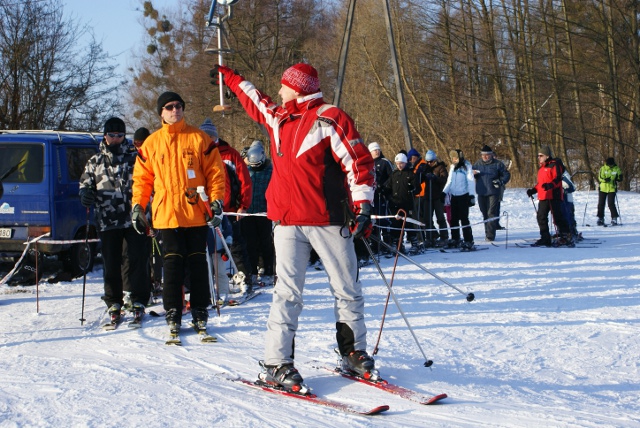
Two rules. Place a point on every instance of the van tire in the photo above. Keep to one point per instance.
(78, 259)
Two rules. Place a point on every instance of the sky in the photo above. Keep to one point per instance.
(116, 23)
(551, 340)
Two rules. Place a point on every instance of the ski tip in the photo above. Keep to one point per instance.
(435, 399)
(376, 410)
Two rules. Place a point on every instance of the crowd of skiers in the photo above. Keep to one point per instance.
(319, 191)
(426, 188)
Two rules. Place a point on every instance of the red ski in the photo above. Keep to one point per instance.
(400, 391)
(312, 398)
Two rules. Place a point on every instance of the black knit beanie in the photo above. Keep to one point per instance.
(114, 124)
(141, 134)
(167, 97)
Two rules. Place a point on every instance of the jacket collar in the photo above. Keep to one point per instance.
(174, 128)
(302, 104)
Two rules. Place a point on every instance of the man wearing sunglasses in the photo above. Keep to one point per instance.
(173, 162)
(550, 196)
(106, 185)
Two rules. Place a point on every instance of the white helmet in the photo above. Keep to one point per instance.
(256, 156)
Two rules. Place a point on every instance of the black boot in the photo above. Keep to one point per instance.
(285, 376)
(360, 363)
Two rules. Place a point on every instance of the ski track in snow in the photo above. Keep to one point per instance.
(552, 339)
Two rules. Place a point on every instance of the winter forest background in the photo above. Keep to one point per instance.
(513, 74)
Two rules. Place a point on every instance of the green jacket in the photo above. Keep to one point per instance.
(609, 177)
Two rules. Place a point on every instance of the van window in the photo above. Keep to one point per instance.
(77, 158)
(22, 163)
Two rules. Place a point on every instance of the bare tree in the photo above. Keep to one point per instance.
(46, 82)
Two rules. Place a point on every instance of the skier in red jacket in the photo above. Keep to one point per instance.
(319, 163)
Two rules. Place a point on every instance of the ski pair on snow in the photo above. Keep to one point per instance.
(118, 319)
(345, 407)
(203, 334)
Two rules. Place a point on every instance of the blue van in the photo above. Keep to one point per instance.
(40, 172)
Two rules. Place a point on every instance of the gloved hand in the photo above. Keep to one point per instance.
(214, 73)
(472, 200)
(430, 176)
(606, 180)
(216, 210)
(547, 186)
(496, 183)
(363, 226)
(88, 196)
(139, 220)
(531, 192)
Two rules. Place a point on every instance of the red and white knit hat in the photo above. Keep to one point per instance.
(301, 78)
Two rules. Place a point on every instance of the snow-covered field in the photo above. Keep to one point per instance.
(552, 339)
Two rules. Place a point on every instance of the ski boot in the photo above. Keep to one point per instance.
(138, 311)
(440, 242)
(466, 246)
(360, 364)
(200, 317)
(542, 242)
(565, 240)
(614, 221)
(283, 376)
(115, 313)
(600, 221)
(453, 243)
(416, 249)
(174, 320)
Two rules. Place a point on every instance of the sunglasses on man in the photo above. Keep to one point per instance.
(115, 135)
(170, 107)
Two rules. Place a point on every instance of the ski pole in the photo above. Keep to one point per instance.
(534, 204)
(618, 208)
(84, 277)
(470, 296)
(238, 277)
(585, 205)
(214, 300)
(205, 199)
(428, 362)
(386, 303)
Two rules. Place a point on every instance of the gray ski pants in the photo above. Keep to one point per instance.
(293, 246)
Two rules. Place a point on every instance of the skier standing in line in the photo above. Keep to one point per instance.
(436, 176)
(461, 189)
(320, 164)
(106, 183)
(609, 176)
(383, 168)
(173, 162)
(549, 190)
(491, 175)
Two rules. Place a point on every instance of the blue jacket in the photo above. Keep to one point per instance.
(486, 173)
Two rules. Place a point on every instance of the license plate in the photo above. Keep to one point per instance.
(5, 233)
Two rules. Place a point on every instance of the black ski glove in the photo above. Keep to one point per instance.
(139, 220)
(216, 210)
(88, 196)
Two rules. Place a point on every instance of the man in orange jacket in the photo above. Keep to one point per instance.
(173, 162)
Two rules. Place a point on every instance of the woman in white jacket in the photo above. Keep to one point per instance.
(461, 189)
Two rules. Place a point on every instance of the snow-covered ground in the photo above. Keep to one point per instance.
(552, 339)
